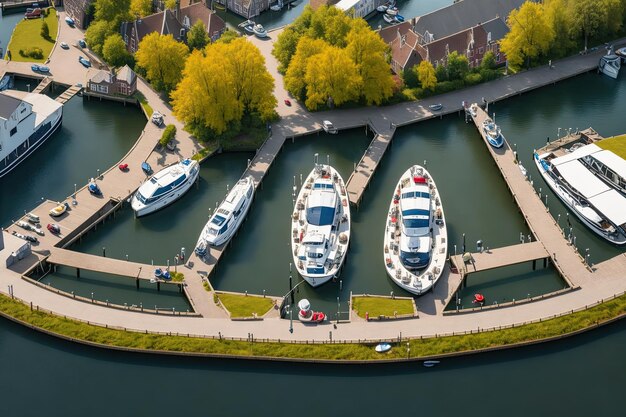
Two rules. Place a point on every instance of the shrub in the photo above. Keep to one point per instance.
(409, 76)
(36, 53)
(447, 86)
(45, 30)
(488, 74)
(168, 135)
(441, 72)
(473, 78)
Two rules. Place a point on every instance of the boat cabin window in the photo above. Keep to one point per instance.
(319, 186)
(415, 223)
(223, 212)
(218, 220)
(415, 260)
(320, 215)
(414, 194)
(314, 255)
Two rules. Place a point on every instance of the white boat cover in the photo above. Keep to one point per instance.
(611, 160)
(612, 204)
(579, 177)
(304, 304)
(577, 154)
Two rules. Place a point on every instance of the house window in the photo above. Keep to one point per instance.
(471, 52)
(481, 50)
(13, 131)
(498, 57)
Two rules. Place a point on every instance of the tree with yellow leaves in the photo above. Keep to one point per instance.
(426, 75)
(294, 78)
(163, 58)
(331, 78)
(530, 36)
(221, 85)
(367, 50)
(140, 8)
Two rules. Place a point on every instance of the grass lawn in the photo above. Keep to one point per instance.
(616, 144)
(27, 35)
(336, 351)
(380, 306)
(245, 306)
(144, 103)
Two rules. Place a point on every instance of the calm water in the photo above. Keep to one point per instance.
(582, 376)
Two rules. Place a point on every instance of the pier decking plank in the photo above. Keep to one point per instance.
(501, 257)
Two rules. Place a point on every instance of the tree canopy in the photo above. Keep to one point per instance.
(426, 75)
(112, 11)
(197, 38)
(114, 51)
(96, 34)
(163, 58)
(307, 50)
(530, 35)
(140, 8)
(221, 85)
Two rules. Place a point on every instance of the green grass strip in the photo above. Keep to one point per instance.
(616, 144)
(27, 34)
(381, 306)
(419, 347)
(245, 306)
(144, 103)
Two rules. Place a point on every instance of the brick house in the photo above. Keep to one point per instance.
(469, 27)
(247, 8)
(124, 82)
(175, 22)
(77, 10)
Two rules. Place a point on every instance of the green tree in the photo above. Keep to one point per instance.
(331, 78)
(171, 4)
(96, 34)
(113, 11)
(228, 36)
(441, 72)
(45, 30)
(140, 8)
(197, 38)
(330, 24)
(458, 66)
(489, 61)
(294, 78)
(593, 17)
(530, 34)
(368, 52)
(163, 59)
(114, 51)
(426, 75)
(559, 19)
(285, 47)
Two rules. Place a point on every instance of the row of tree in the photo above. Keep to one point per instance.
(329, 59)
(555, 28)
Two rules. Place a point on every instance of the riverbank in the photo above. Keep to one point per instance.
(87, 333)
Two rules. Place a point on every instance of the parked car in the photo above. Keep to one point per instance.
(65, 45)
(82, 43)
(84, 61)
(40, 68)
(35, 14)
(288, 102)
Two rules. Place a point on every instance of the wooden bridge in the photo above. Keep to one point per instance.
(68, 94)
(43, 85)
(500, 257)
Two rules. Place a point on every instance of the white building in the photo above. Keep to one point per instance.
(26, 121)
(359, 8)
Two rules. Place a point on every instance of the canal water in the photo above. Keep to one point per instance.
(577, 377)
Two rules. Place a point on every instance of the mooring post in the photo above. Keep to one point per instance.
(158, 285)
(545, 262)
(137, 282)
(534, 264)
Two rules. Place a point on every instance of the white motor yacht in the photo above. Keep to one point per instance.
(610, 64)
(493, 133)
(165, 187)
(416, 236)
(227, 217)
(320, 225)
(600, 207)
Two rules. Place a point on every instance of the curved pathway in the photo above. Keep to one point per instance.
(297, 121)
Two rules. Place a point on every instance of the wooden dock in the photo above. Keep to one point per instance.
(360, 178)
(68, 94)
(500, 257)
(43, 86)
(94, 263)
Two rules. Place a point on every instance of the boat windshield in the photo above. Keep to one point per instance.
(415, 223)
(320, 215)
(141, 198)
(415, 259)
(218, 220)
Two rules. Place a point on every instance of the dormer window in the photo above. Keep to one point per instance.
(186, 22)
(488, 36)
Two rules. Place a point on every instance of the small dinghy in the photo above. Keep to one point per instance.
(382, 8)
(430, 364)
(146, 168)
(27, 226)
(389, 19)
(93, 188)
(166, 276)
(59, 210)
(32, 218)
(436, 107)
(54, 228)
(382, 347)
(158, 273)
(305, 314)
(28, 238)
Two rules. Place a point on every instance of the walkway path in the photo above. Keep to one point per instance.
(604, 282)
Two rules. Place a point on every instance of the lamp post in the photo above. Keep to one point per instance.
(290, 318)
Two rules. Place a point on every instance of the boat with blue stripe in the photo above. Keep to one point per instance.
(165, 187)
(493, 133)
(415, 241)
(320, 225)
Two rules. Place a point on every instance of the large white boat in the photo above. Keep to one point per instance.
(416, 236)
(27, 120)
(320, 225)
(227, 217)
(598, 206)
(165, 187)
